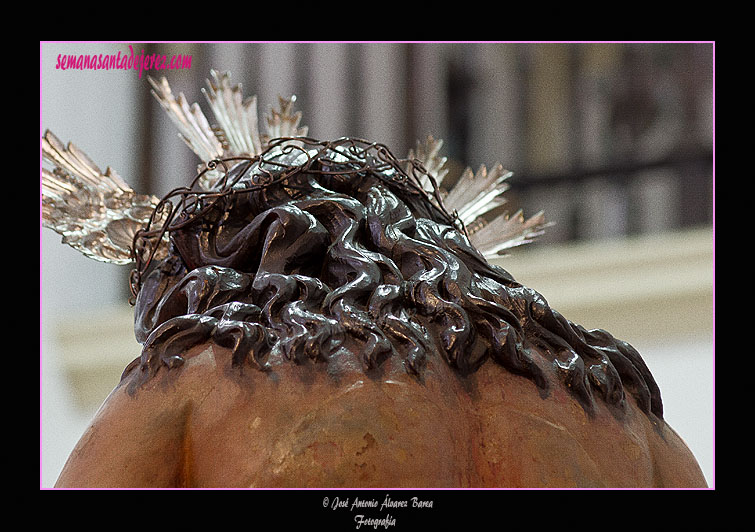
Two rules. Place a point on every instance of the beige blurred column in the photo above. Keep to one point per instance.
(603, 204)
(549, 128)
(546, 132)
(429, 91)
(328, 93)
(598, 64)
(495, 105)
(277, 74)
(383, 95)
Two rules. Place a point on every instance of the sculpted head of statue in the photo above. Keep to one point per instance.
(327, 252)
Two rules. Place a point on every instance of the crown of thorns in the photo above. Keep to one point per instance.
(284, 159)
(100, 215)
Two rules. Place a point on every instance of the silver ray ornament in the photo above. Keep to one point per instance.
(99, 214)
(96, 213)
(475, 195)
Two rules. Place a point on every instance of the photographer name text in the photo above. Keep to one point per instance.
(361, 520)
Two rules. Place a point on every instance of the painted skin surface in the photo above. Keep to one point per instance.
(207, 424)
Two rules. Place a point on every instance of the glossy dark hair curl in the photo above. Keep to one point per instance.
(331, 266)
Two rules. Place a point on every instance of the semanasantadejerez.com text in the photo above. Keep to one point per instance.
(126, 61)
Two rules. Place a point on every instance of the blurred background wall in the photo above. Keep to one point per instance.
(614, 141)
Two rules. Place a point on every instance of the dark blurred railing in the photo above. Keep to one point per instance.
(678, 195)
